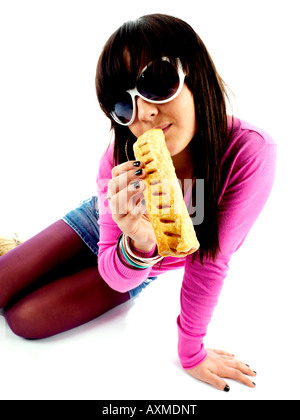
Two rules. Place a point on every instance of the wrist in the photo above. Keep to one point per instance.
(143, 247)
(136, 259)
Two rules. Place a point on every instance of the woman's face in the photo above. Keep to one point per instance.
(176, 118)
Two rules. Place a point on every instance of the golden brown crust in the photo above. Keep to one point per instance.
(173, 227)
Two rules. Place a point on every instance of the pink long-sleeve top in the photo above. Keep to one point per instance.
(249, 162)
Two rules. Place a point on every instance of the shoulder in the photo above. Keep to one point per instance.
(106, 163)
(249, 159)
(247, 142)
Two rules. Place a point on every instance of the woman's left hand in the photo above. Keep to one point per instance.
(220, 364)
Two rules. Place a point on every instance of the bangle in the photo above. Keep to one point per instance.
(136, 259)
(131, 260)
(124, 258)
(123, 261)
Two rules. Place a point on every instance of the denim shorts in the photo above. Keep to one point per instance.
(83, 220)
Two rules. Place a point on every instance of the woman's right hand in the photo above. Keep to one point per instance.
(125, 191)
(220, 364)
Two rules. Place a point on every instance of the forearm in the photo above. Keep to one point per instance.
(116, 274)
(201, 287)
(117, 267)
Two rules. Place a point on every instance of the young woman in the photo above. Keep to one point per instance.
(154, 72)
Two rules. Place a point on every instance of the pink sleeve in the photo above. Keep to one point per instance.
(245, 193)
(112, 270)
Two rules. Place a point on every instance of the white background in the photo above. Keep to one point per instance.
(52, 134)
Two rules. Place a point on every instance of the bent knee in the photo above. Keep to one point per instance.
(22, 319)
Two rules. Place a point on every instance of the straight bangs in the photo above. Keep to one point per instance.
(134, 45)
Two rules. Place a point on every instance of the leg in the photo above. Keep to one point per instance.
(63, 304)
(51, 283)
(39, 256)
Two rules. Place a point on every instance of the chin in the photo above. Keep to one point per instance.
(173, 149)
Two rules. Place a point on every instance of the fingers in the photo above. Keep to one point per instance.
(219, 366)
(124, 179)
(239, 376)
(222, 353)
(126, 167)
(126, 200)
(207, 375)
(126, 184)
(225, 353)
(229, 360)
(138, 209)
(242, 367)
(216, 381)
(237, 370)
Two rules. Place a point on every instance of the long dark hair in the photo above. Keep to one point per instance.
(158, 35)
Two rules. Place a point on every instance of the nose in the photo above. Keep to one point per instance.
(146, 111)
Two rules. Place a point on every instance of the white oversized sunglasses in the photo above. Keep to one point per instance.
(159, 82)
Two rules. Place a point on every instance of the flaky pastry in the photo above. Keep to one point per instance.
(173, 227)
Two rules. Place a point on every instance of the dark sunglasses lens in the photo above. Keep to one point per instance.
(123, 108)
(159, 81)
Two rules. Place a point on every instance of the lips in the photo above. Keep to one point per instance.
(164, 127)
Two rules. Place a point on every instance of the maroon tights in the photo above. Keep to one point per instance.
(50, 284)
